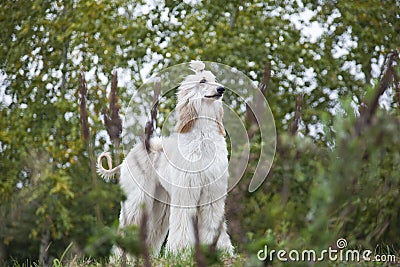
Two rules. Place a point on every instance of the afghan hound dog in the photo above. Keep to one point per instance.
(183, 178)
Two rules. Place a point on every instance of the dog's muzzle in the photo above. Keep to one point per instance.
(220, 92)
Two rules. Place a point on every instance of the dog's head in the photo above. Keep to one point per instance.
(199, 96)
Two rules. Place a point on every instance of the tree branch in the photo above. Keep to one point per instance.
(82, 107)
(297, 115)
(388, 75)
(149, 128)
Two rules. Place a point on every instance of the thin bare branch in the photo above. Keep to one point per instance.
(388, 75)
(149, 128)
(199, 255)
(266, 78)
(143, 239)
(396, 85)
(112, 120)
(82, 108)
(297, 115)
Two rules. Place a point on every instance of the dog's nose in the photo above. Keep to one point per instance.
(220, 90)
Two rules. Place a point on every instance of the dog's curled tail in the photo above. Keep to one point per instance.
(104, 173)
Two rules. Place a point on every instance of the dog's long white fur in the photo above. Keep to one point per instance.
(187, 173)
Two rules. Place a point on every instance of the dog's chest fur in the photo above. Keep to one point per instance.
(195, 158)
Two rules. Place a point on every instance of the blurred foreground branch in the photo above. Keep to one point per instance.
(388, 75)
(112, 120)
(149, 129)
(143, 238)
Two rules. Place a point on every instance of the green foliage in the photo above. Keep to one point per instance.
(364, 181)
(348, 192)
(46, 165)
(127, 238)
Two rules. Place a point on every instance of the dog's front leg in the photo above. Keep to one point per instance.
(183, 210)
(159, 221)
(212, 225)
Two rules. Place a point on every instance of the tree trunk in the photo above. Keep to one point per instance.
(44, 243)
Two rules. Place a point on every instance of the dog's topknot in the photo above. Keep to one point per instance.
(197, 66)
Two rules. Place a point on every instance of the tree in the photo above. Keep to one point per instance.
(45, 46)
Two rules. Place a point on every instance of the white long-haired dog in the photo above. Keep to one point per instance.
(181, 177)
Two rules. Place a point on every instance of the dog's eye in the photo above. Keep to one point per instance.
(203, 81)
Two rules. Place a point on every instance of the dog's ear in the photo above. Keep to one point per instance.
(186, 118)
(221, 127)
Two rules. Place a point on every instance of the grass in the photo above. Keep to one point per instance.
(237, 260)
(210, 259)
(169, 261)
